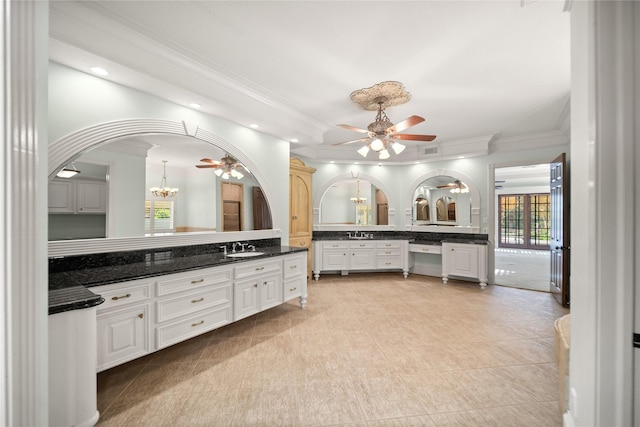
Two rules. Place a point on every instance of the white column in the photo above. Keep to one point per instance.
(23, 235)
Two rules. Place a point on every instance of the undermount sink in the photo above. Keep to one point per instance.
(244, 254)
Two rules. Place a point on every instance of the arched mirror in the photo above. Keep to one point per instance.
(354, 202)
(154, 185)
(442, 200)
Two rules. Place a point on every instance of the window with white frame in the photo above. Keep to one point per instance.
(159, 216)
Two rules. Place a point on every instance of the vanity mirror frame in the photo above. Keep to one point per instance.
(75, 144)
(475, 204)
(322, 189)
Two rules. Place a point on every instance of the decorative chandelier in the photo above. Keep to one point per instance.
(358, 200)
(164, 190)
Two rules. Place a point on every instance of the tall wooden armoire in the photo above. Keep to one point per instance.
(300, 207)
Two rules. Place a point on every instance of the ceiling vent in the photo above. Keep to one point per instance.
(429, 151)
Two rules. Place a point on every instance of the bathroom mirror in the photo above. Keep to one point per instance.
(116, 201)
(354, 202)
(442, 200)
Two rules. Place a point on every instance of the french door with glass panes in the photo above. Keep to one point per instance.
(524, 221)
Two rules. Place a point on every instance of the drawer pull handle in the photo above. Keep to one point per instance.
(292, 289)
(116, 298)
(265, 283)
(362, 246)
(334, 246)
(255, 285)
(387, 263)
(302, 243)
(141, 315)
(197, 300)
(259, 268)
(196, 324)
(387, 252)
(193, 282)
(293, 266)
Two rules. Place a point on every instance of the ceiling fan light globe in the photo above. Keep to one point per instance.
(225, 175)
(363, 151)
(397, 147)
(383, 154)
(377, 144)
(218, 172)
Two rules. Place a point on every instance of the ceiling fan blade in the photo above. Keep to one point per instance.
(446, 186)
(209, 161)
(409, 137)
(351, 142)
(353, 128)
(405, 124)
(208, 166)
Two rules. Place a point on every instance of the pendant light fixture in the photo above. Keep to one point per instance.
(164, 190)
(68, 171)
(358, 200)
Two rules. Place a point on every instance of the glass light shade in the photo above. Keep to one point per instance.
(384, 154)
(397, 147)
(218, 172)
(67, 173)
(364, 150)
(377, 144)
(225, 175)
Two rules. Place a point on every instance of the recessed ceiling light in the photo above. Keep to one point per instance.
(294, 140)
(254, 126)
(195, 105)
(332, 161)
(461, 157)
(99, 71)
(356, 163)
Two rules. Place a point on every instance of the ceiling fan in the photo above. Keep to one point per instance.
(225, 168)
(456, 186)
(382, 133)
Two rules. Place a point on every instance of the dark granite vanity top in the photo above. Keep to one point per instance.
(69, 277)
(424, 238)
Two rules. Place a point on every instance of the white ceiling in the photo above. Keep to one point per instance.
(474, 68)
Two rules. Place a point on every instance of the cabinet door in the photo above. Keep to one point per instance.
(245, 298)
(270, 291)
(91, 197)
(335, 259)
(362, 259)
(301, 218)
(462, 260)
(122, 336)
(62, 197)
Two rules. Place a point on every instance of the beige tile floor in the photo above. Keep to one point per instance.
(369, 350)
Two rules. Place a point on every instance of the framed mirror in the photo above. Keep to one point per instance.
(442, 200)
(353, 202)
(209, 196)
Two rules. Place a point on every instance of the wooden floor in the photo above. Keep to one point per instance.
(369, 350)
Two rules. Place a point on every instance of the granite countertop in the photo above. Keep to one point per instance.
(70, 290)
(380, 237)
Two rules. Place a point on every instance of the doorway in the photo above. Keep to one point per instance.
(522, 258)
(232, 201)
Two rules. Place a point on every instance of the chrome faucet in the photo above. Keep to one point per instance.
(224, 248)
(235, 245)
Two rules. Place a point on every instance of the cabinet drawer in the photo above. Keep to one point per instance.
(179, 331)
(121, 296)
(250, 269)
(170, 308)
(293, 288)
(193, 280)
(335, 245)
(293, 266)
(362, 245)
(426, 249)
(389, 245)
(387, 252)
(388, 262)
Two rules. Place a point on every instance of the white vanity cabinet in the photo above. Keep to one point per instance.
(360, 255)
(123, 322)
(257, 287)
(142, 316)
(464, 260)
